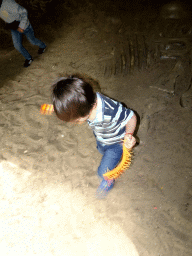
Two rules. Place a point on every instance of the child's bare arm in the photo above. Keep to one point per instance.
(130, 128)
(131, 124)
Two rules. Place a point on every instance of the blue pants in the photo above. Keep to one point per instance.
(17, 41)
(111, 156)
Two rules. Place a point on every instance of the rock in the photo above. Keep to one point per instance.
(174, 10)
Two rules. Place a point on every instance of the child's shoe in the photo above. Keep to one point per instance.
(27, 63)
(41, 50)
(104, 188)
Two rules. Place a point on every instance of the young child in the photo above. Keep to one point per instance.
(75, 101)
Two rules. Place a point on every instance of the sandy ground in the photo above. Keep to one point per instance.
(48, 168)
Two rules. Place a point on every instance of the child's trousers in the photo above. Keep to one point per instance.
(111, 156)
(17, 41)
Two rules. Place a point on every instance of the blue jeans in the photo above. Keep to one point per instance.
(17, 41)
(111, 156)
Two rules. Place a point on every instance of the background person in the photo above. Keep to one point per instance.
(16, 18)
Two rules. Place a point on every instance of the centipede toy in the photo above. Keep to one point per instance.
(122, 166)
(47, 109)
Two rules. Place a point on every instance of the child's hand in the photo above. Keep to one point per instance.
(20, 30)
(130, 141)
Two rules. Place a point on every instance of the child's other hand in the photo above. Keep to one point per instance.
(130, 141)
(20, 30)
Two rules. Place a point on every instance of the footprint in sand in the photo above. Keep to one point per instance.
(186, 207)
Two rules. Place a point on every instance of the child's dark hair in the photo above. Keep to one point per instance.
(73, 97)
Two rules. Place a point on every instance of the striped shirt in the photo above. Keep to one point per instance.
(110, 121)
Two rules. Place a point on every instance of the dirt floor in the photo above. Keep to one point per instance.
(48, 168)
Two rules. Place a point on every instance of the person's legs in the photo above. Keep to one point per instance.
(29, 33)
(17, 42)
(111, 157)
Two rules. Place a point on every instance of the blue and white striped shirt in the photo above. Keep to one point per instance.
(110, 121)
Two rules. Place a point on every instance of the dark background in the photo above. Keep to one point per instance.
(47, 16)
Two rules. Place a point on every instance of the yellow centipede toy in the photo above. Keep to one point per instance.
(47, 109)
(122, 166)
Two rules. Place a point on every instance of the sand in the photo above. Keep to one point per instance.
(48, 168)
